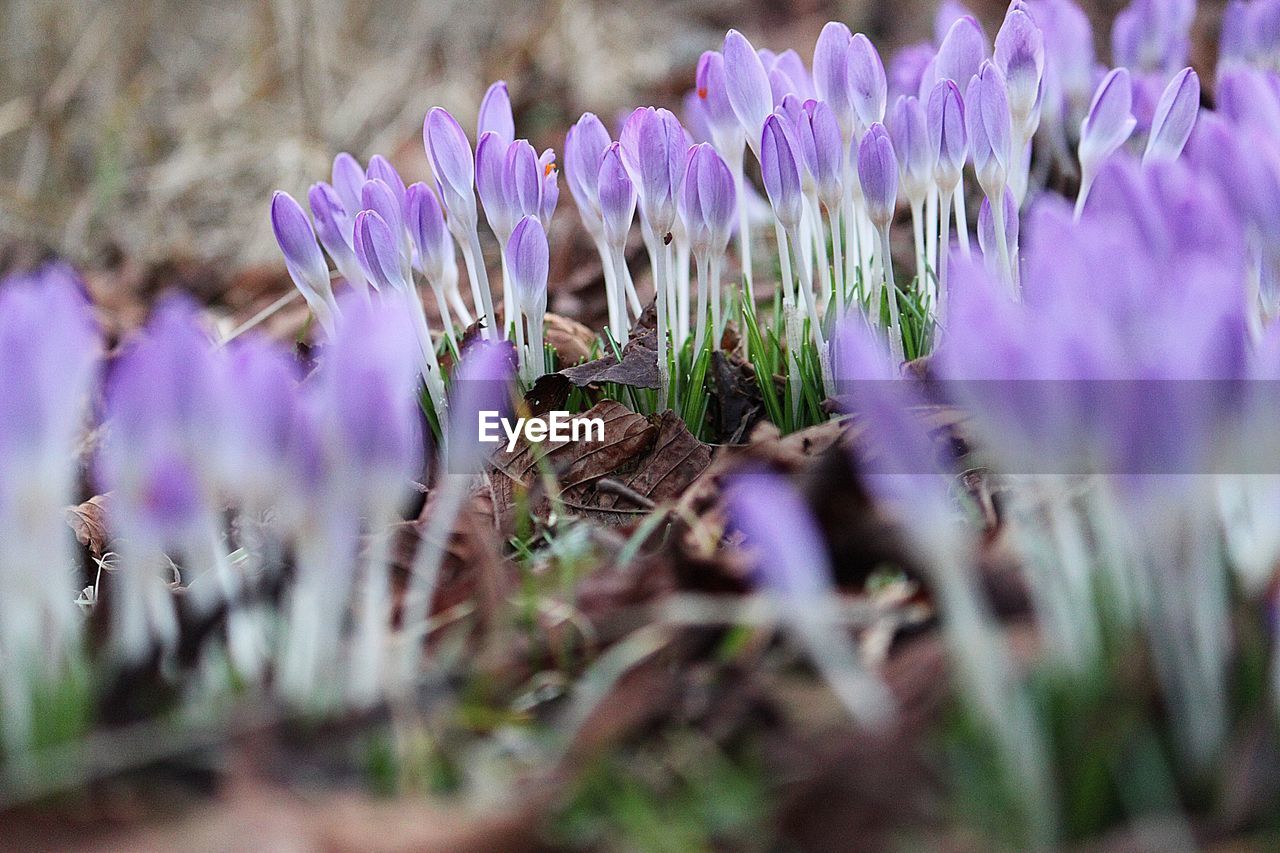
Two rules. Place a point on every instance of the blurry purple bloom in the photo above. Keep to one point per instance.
(263, 386)
(787, 549)
(746, 84)
(781, 171)
(1249, 96)
(380, 168)
(427, 230)
(1153, 35)
(948, 12)
(907, 69)
(989, 127)
(379, 253)
(495, 113)
(481, 383)
(451, 162)
(792, 66)
(527, 260)
(617, 195)
(1175, 117)
(868, 88)
(878, 174)
(1109, 121)
(948, 141)
(909, 131)
(962, 52)
(707, 202)
(348, 177)
(831, 75)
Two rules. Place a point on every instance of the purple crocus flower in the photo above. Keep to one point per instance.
(707, 201)
(453, 166)
(1019, 55)
(495, 113)
(616, 194)
(380, 168)
(878, 174)
(348, 178)
(584, 148)
(527, 262)
(828, 153)
(378, 251)
(908, 128)
(425, 221)
(747, 86)
(1175, 117)
(481, 383)
(550, 186)
(908, 68)
(713, 93)
(1105, 128)
(263, 386)
(868, 87)
(781, 171)
(302, 256)
(334, 227)
(379, 197)
(831, 74)
(948, 140)
(522, 180)
(491, 158)
(989, 126)
(656, 150)
(962, 51)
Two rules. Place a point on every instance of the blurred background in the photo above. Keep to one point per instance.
(146, 136)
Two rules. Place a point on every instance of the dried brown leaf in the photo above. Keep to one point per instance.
(89, 523)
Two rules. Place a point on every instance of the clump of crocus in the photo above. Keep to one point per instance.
(50, 347)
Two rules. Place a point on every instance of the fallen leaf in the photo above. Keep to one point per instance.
(572, 341)
(89, 523)
(638, 368)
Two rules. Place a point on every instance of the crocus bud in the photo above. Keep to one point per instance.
(987, 230)
(828, 153)
(495, 113)
(451, 162)
(1153, 35)
(713, 92)
(908, 68)
(348, 178)
(527, 260)
(1109, 122)
(380, 168)
(522, 180)
(962, 51)
(550, 186)
(660, 150)
(878, 174)
(707, 201)
(491, 159)
(380, 198)
(831, 74)
(301, 253)
(947, 138)
(1019, 55)
(781, 171)
(263, 391)
(868, 88)
(792, 68)
(617, 195)
(378, 252)
(584, 148)
(909, 130)
(334, 228)
(427, 230)
(747, 85)
(989, 127)
(1174, 118)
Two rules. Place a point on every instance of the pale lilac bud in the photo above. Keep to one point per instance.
(747, 84)
(831, 74)
(713, 92)
(1175, 117)
(427, 230)
(301, 253)
(908, 68)
(381, 199)
(378, 251)
(661, 149)
(550, 186)
(348, 178)
(989, 128)
(495, 114)
(380, 168)
(987, 229)
(453, 166)
(948, 140)
(1110, 120)
(1019, 55)
(868, 87)
(791, 65)
(878, 174)
(909, 130)
(522, 180)
(962, 51)
(707, 200)
(948, 12)
(334, 228)
(828, 151)
(527, 261)
(617, 195)
(781, 171)
(491, 159)
(584, 148)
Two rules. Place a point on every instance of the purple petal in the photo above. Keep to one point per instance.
(527, 261)
(381, 169)
(714, 94)
(707, 200)
(831, 72)
(491, 156)
(451, 161)
(909, 131)
(878, 174)
(947, 138)
(495, 113)
(617, 195)
(828, 149)
(427, 229)
(379, 197)
(1110, 120)
(746, 83)
(989, 126)
(584, 148)
(378, 251)
(962, 51)
(522, 180)
(298, 243)
(787, 550)
(348, 177)
(987, 228)
(1019, 55)
(550, 186)
(868, 88)
(781, 171)
(1175, 117)
(480, 384)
